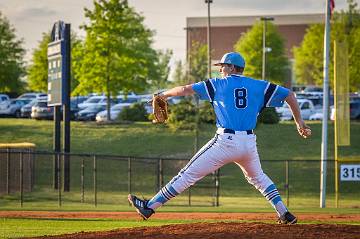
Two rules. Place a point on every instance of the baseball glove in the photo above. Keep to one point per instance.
(160, 109)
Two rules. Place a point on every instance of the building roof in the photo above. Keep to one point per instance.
(293, 19)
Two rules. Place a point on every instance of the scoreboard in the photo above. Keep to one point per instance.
(56, 72)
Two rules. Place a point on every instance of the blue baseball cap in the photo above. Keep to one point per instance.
(232, 58)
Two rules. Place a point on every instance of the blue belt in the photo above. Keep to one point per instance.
(231, 131)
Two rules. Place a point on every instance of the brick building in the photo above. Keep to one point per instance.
(226, 31)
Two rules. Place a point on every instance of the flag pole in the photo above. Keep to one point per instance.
(324, 142)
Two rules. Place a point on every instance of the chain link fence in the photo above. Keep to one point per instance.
(31, 178)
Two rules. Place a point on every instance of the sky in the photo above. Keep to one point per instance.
(167, 18)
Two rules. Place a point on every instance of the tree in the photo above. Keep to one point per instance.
(11, 58)
(198, 62)
(38, 70)
(309, 57)
(345, 26)
(160, 73)
(250, 46)
(118, 54)
(195, 69)
(179, 76)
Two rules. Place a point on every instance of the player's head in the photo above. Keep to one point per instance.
(231, 63)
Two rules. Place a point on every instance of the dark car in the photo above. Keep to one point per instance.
(76, 100)
(90, 112)
(355, 110)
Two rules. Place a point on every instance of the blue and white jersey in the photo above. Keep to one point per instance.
(238, 100)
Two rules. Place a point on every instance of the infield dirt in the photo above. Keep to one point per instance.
(223, 230)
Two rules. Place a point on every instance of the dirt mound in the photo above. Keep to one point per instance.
(221, 230)
(226, 231)
(260, 217)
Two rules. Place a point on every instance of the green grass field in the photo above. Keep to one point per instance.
(13, 228)
(275, 143)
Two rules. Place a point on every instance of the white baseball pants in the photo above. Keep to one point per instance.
(224, 148)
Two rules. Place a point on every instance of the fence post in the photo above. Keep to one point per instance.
(21, 179)
(217, 187)
(95, 181)
(190, 196)
(8, 171)
(160, 174)
(58, 177)
(129, 175)
(82, 180)
(287, 182)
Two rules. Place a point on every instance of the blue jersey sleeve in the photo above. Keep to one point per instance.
(201, 90)
(278, 96)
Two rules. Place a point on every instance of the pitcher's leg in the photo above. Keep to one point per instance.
(251, 167)
(206, 160)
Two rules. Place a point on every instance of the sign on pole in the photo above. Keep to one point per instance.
(59, 54)
(57, 67)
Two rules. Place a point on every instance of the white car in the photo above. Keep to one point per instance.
(3, 98)
(114, 112)
(95, 100)
(4, 101)
(13, 107)
(33, 95)
(316, 116)
(320, 115)
(306, 106)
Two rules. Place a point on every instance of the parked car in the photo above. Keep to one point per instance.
(33, 95)
(76, 100)
(316, 116)
(114, 112)
(4, 98)
(306, 106)
(312, 91)
(89, 113)
(129, 99)
(96, 100)
(354, 110)
(26, 109)
(41, 110)
(13, 107)
(4, 101)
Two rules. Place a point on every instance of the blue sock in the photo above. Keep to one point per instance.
(164, 195)
(274, 198)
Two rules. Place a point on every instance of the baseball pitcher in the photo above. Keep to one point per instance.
(237, 101)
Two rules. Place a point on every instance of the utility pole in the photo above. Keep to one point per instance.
(264, 48)
(209, 38)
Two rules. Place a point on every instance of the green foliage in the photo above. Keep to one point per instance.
(309, 55)
(206, 113)
(179, 77)
(250, 46)
(198, 62)
(135, 112)
(182, 115)
(38, 70)
(354, 60)
(11, 58)
(269, 116)
(160, 75)
(117, 50)
(77, 54)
